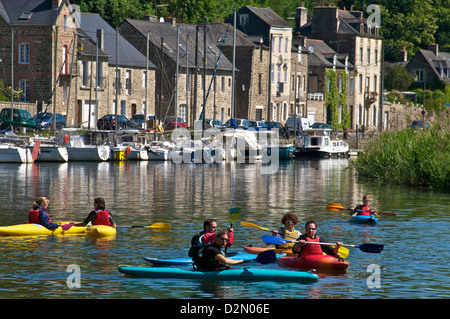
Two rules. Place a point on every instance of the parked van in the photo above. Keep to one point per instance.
(20, 118)
(302, 123)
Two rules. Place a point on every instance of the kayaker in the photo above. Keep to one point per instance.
(363, 209)
(302, 248)
(288, 232)
(210, 257)
(39, 214)
(207, 236)
(99, 216)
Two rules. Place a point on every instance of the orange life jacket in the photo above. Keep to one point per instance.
(363, 210)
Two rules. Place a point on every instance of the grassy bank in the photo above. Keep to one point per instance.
(408, 157)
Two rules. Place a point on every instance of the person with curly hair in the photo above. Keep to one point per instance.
(288, 231)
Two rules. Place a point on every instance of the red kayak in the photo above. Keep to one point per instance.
(323, 262)
(257, 250)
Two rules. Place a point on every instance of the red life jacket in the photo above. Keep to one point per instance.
(34, 216)
(363, 210)
(312, 249)
(102, 218)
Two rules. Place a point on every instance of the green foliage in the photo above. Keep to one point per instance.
(409, 157)
(332, 99)
(397, 78)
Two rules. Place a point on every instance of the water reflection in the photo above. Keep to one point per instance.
(141, 193)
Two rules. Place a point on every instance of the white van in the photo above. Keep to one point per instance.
(302, 123)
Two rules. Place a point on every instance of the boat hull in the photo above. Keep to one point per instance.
(52, 154)
(13, 154)
(319, 262)
(257, 250)
(36, 230)
(240, 274)
(89, 153)
(98, 231)
(364, 219)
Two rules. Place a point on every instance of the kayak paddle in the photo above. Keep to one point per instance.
(338, 208)
(233, 215)
(267, 257)
(156, 227)
(366, 247)
(342, 250)
(66, 226)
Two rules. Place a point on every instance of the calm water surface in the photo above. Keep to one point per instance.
(412, 265)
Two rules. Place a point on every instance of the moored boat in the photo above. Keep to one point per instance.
(318, 142)
(364, 219)
(239, 274)
(318, 262)
(78, 150)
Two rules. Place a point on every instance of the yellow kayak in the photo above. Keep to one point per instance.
(35, 229)
(98, 231)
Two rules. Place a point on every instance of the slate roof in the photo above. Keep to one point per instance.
(323, 55)
(169, 32)
(129, 56)
(42, 12)
(442, 61)
(269, 17)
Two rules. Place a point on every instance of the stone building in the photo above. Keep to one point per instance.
(348, 32)
(184, 95)
(299, 80)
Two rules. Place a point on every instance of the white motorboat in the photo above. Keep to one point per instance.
(242, 145)
(318, 142)
(159, 150)
(78, 150)
(10, 153)
(50, 150)
(133, 151)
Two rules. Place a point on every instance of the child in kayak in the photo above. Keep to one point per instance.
(39, 214)
(99, 216)
(289, 220)
(302, 248)
(363, 209)
(211, 256)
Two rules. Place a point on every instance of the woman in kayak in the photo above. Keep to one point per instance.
(363, 209)
(39, 214)
(302, 248)
(99, 216)
(287, 232)
(211, 256)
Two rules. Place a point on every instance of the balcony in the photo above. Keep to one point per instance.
(315, 96)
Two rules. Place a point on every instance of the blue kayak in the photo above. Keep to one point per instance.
(364, 219)
(188, 261)
(241, 274)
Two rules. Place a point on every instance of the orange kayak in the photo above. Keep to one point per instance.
(322, 262)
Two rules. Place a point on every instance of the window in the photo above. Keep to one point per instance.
(278, 73)
(368, 56)
(128, 82)
(65, 23)
(85, 75)
(351, 85)
(243, 19)
(144, 79)
(24, 53)
(260, 83)
(65, 65)
(272, 75)
(183, 112)
(99, 74)
(286, 48)
(375, 83)
(368, 83)
(279, 44)
(24, 85)
(361, 55)
(223, 85)
(418, 74)
(360, 84)
(65, 94)
(376, 56)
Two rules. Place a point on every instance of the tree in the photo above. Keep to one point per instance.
(397, 78)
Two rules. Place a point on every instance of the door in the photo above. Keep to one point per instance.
(89, 115)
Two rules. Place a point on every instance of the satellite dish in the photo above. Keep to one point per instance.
(311, 49)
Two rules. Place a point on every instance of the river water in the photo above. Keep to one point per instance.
(412, 265)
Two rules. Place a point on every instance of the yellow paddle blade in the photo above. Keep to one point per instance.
(233, 214)
(160, 227)
(253, 225)
(343, 252)
(336, 207)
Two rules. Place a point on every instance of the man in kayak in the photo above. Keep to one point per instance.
(39, 214)
(99, 216)
(302, 248)
(207, 236)
(363, 209)
(289, 220)
(210, 257)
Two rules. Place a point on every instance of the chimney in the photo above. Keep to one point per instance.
(301, 17)
(56, 3)
(435, 48)
(100, 37)
(404, 55)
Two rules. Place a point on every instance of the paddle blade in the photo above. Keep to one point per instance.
(336, 207)
(253, 225)
(273, 240)
(233, 214)
(160, 227)
(387, 213)
(267, 257)
(66, 226)
(371, 248)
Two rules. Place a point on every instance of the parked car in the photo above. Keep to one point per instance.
(21, 118)
(418, 125)
(321, 126)
(237, 123)
(217, 124)
(45, 120)
(139, 119)
(282, 130)
(302, 124)
(169, 123)
(252, 123)
(108, 122)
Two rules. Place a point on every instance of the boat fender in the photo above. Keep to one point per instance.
(159, 128)
(128, 150)
(66, 138)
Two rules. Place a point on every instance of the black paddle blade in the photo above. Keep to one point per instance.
(371, 248)
(267, 257)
